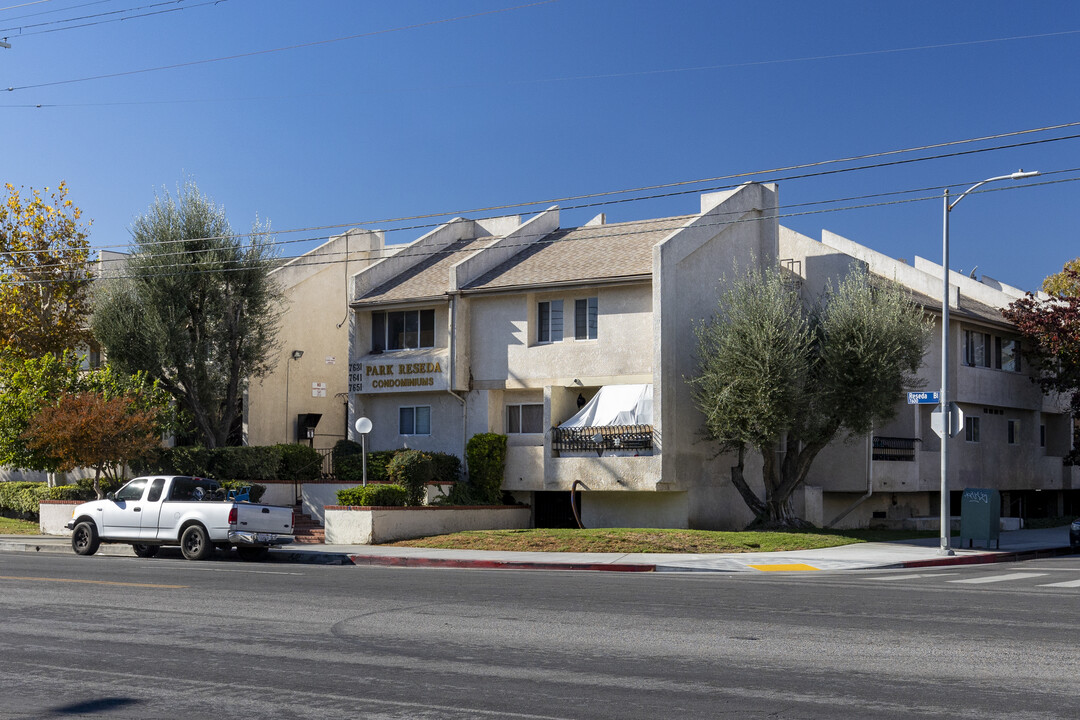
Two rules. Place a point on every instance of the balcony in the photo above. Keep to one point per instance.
(627, 440)
(894, 449)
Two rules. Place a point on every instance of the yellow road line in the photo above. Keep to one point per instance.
(92, 582)
(794, 567)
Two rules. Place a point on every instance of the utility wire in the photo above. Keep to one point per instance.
(645, 188)
(298, 46)
(722, 219)
(562, 201)
(25, 4)
(21, 28)
(55, 10)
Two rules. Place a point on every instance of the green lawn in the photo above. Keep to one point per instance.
(10, 526)
(633, 540)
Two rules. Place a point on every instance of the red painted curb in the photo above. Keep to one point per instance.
(987, 558)
(392, 561)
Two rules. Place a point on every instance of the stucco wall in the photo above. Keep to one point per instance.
(316, 288)
(504, 351)
(634, 510)
(372, 526)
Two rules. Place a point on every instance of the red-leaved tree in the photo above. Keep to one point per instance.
(88, 430)
(1051, 331)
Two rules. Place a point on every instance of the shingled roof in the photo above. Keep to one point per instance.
(429, 278)
(583, 254)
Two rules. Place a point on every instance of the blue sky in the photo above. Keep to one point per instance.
(507, 102)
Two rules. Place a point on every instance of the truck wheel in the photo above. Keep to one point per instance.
(145, 551)
(195, 544)
(84, 538)
(252, 554)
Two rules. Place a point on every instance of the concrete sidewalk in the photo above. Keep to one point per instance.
(1015, 545)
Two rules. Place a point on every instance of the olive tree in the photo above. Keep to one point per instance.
(784, 378)
(196, 309)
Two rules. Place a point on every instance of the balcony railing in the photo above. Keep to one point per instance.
(608, 437)
(895, 449)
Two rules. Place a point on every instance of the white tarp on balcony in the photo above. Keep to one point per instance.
(615, 405)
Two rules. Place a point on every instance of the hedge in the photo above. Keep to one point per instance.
(22, 498)
(373, 495)
(284, 462)
(348, 464)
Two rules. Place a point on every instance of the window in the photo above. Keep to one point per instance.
(155, 490)
(132, 491)
(414, 420)
(1007, 354)
(585, 311)
(976, 349)
(1042, 436)
(549, 321)
(525, 418)
(402, 330)
(971, 428)
(1014, 432)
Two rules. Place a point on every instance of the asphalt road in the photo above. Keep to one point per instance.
(108, 637)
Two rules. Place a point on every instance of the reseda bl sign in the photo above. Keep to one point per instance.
(924, 398)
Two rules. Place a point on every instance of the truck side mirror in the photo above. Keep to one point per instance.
(110, 496)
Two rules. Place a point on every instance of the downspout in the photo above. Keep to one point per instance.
(869, 481)
(450, 384)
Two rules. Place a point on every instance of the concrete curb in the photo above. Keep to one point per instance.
(398, 561)
(988, 557)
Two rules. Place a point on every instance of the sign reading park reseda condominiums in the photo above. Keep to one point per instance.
(408, 373)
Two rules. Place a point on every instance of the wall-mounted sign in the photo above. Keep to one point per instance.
(318, 389)
(383, 373)
(356, 377)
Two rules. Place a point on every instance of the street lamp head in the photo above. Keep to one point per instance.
(297, 354)
(1020, 174)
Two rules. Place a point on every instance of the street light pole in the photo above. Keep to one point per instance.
(946, 420)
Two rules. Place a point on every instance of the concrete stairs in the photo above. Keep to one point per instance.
(307, 530)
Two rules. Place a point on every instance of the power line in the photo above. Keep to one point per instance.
(25, 4)
(50, 12)
(723, 219)
(562, 201)
(683, 183)
(298, 46)
(104, 14)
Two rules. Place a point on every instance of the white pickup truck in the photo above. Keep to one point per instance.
(194, 513)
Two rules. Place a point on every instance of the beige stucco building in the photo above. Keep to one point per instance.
(310, 376)
(510, 325)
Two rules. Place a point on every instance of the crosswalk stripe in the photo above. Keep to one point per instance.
(1067, 584)
(998, 578)
(911, 576)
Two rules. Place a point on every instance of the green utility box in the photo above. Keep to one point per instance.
(980, 516)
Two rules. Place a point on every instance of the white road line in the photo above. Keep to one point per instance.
(1069, 583)
(998, 578)
(912, 576)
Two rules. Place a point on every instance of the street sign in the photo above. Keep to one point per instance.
(924, 398)
(956, 421)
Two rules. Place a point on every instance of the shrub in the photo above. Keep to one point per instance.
(78, 491)
(447, 467)
(412, 470)
(244, 463)
(486, 455)
(21, 498)
(374, 495)
(299, 463)
(349, 463)
(187, 460)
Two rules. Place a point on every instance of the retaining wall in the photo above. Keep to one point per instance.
(376, 525)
